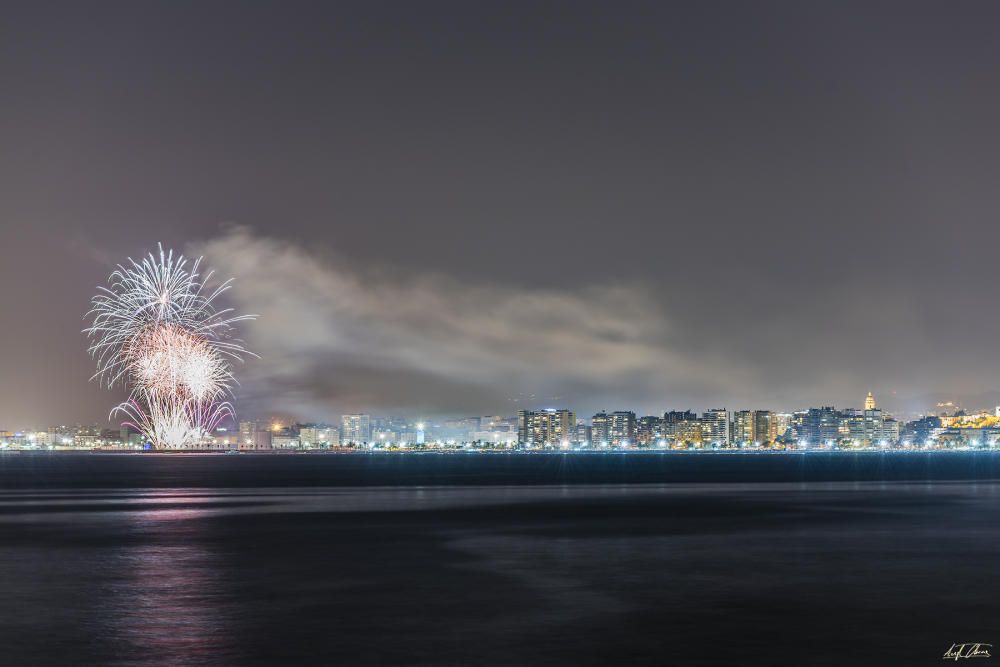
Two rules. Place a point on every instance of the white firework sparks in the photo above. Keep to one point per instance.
(167, 360)
(156, 330)
(172, 424)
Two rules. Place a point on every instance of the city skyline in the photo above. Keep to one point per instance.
(947, 427)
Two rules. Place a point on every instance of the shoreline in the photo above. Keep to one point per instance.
(487, 452)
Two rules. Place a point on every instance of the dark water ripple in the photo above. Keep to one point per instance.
(748, 572)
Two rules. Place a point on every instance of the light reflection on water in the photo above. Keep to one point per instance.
(158, 505)
(167, 605)
(164, 601)
(471, 575)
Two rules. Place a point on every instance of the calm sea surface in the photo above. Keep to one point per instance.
(497, 559)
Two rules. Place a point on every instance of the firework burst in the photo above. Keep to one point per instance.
(156, 330)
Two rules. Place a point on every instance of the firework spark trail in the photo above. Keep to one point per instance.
(156, 331)
(170, 423)
(169, 361)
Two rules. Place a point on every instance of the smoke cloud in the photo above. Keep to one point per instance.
(333, 336)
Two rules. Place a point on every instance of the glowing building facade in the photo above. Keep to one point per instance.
(715, 427)
(600, 429)
(623, 428)
(355, 429)
(546, 427)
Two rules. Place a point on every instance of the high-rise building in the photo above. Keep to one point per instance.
(523, 426)
(784, 421)
(622, 430)
(925, 430)
(819, 426)
(600, 429)
(526, 427)
(744, 427)
(583, 434)
(546, 427)
(539, 428)
(715, 427)
(879, 428)
(678, 416)
(689, 433)
(355, 429)
(562, 427)
(765, 427)
(874, 423)
(890, 433)
(648, 431)
(852, 427)
(681, 426)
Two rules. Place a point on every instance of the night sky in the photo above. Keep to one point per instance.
(469, 207)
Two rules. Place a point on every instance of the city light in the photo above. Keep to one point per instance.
(552, 429)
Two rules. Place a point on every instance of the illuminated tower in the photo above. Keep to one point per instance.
(869, 402)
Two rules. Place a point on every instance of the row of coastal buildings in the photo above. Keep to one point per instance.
(351, 431)
(815, 428)
(364, 430)
(716, 428)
